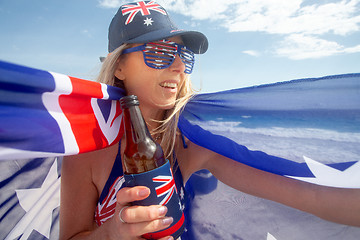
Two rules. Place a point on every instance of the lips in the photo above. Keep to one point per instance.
(171, 85)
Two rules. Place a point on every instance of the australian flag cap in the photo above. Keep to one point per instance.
(147, 21)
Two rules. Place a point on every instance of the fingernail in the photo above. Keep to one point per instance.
(162, 210)
(143, 192)
(167, 220)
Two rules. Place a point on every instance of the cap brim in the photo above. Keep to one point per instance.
(195, 41)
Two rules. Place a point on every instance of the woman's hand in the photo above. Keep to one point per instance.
(131, 222)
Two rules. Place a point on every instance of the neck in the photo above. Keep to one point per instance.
(150, 115)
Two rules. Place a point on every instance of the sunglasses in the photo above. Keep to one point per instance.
(161, 54)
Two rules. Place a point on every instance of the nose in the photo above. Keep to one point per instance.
(177, 65)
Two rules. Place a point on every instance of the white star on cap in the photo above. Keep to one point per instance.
(148, 21)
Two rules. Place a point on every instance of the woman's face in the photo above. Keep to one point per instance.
(155, 88)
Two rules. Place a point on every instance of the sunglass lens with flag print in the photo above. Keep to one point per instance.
(161, 54)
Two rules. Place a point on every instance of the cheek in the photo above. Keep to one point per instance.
(140, 83)
(134, 73)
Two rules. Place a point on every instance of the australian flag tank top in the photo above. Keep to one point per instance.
(105, 208)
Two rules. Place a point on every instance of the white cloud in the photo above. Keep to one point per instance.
(302, 23)
(270, 16)
(287, 17)
(299, 46)
(112, 3)
(252, 53)
(273, 16)
(355, 49)
(87, 33)
(200, 9)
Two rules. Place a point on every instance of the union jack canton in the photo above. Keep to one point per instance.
(168, 187)
(142, 7)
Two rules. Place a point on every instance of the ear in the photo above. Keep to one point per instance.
(119, 72)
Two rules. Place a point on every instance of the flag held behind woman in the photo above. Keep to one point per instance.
(305, 129)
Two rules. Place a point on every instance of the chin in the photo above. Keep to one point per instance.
(167, 106)
(164, 101)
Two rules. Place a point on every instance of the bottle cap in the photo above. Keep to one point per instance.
(128, 101)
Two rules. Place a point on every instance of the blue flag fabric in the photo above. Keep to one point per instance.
(284, 128)
(305, 129)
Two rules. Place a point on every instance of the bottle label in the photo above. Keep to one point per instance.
(163, 192)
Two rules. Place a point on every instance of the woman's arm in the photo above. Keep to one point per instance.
(79, 196)
(333, 204)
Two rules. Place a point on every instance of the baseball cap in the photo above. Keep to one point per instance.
(147, 21)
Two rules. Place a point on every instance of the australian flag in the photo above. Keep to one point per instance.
(63, 115)
(305, 129)
(44, 116)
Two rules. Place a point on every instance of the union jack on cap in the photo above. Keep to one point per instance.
(141, 7)
(147, 21)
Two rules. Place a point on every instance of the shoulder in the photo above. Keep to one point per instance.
(92, 167)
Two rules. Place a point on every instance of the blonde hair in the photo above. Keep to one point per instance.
(168, 127)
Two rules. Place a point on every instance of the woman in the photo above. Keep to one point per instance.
(91, 180)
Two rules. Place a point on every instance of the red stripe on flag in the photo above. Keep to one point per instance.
(166, 187)
(77, 109)
(144, 8)
(168, 198)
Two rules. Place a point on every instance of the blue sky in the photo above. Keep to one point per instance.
(251, 42)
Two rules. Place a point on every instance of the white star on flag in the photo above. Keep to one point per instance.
(270, 237)
(328, 176)
(39, 204)
(182, 194)
(148, 21)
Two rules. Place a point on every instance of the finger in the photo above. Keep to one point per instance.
(166, 238)
(136, 214)
(152, 226)
(127, 195)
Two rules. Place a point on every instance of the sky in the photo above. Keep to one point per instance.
(250, 42)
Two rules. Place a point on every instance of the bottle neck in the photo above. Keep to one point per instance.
(135, 124)
(136, 132)
(141, 152)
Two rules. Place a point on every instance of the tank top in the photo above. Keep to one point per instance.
(105, 208)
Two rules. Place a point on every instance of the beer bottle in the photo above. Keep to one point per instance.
(141, 153)
(144, 165)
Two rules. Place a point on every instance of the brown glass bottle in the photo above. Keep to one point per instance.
(141, 153)
(144, 165)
